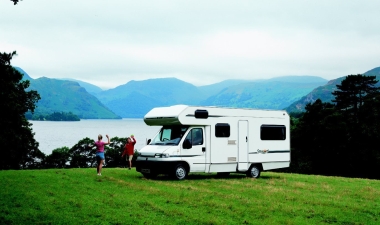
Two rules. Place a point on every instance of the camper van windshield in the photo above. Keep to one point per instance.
(169, 135)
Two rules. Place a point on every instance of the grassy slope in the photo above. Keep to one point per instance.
(78, 196)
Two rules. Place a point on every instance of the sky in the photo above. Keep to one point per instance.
(109, 43)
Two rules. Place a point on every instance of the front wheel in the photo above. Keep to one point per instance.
(254, 171)
(180, 172)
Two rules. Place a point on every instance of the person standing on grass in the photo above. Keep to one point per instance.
(129, 150)
(100, 152)
(133, 142)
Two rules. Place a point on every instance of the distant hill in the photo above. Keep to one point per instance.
(297, 79)
(135, 98)
(213, 89)
(26, 76)
(325, 92)
(90, 88)
(374, 72)
(68, 96)
(262, 94)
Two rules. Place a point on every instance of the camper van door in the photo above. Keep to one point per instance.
(196, 155)
(243, 145)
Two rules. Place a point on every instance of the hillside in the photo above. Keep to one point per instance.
(135, 98)
(26, 76)
(213, 89)
(68, 96)
(325, 92)
(262, 94)
(90, 88)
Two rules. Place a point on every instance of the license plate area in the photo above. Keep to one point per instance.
(145, 170)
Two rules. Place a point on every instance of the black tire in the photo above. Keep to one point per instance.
(149, 175)
(254, 171)
(180, 172)
(223, 174)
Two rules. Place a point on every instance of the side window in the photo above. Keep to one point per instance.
(222, 130)
(272, 132)
(195, 136)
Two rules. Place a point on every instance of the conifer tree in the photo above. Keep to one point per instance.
(352, 93)
(18, 149)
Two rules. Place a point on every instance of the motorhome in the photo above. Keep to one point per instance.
(215, 140)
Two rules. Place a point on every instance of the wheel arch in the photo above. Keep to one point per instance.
(259, 165)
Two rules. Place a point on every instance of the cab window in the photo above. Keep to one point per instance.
(195, 136)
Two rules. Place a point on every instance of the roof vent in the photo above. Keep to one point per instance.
(201, 114)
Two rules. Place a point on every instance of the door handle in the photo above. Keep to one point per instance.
(246, 139)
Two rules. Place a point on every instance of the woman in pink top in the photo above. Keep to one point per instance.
(100, 152)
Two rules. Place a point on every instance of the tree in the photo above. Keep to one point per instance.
(81, 155)
(19, 148)
(340, 139)
(317, 138)
(15, 1)
(113, 155)
(352, 93)
(59, 158)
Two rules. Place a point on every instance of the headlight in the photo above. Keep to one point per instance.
(161, 155)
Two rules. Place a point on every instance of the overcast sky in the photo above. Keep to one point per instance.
(109, 43)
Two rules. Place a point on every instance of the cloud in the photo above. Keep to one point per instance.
(201, 42)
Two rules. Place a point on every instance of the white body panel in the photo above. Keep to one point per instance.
(243, 146)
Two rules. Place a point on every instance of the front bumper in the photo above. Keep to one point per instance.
(154, 166)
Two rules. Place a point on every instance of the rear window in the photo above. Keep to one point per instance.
(272, 132)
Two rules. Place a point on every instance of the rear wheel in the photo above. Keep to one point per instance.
(180, 172)
(254, 171)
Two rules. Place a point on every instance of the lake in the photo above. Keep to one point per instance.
(55, 134)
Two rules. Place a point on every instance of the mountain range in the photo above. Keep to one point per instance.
(324, 92)
(135, 98)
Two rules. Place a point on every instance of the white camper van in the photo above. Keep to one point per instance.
(214, 139)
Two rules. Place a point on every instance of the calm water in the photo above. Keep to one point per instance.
(51, 134)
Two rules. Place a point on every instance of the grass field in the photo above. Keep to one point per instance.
(120, 196)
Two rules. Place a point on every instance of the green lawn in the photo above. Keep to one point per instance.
(120, 196)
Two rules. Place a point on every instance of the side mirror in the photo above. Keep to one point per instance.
(148, 141)
(187, 144)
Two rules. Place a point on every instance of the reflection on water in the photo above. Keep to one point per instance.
(53, 134)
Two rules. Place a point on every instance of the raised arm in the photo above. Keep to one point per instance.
(133, 139)
(108, 138)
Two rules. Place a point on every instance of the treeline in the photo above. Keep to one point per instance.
(82, 156)
(55, 116)
(340, 138)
